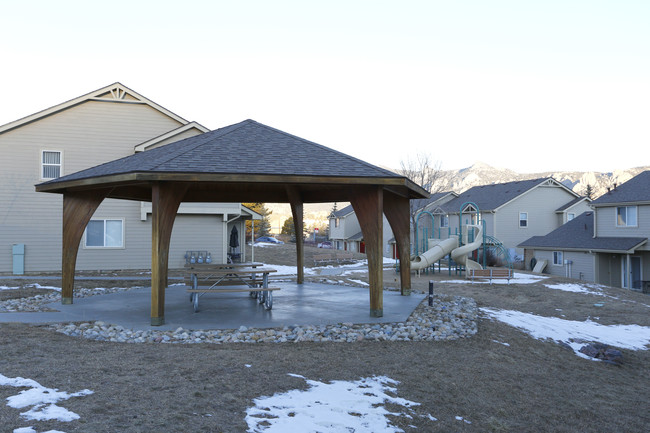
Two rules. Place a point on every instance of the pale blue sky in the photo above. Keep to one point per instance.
(526, 85)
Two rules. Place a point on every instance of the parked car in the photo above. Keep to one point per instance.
(268, 240)
(326, 244)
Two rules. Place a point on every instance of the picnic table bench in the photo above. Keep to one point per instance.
(490, 274)
(342, 257)
(230, 278)
(320, 259)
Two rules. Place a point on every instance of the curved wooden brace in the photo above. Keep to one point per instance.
(396, 209)
(78, 208)
(297, 212)
(369, 205)
(165, 200)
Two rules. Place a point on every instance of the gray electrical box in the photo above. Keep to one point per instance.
(18, 252)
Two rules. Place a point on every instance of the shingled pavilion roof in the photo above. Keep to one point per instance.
(244, 162)
(244, 153)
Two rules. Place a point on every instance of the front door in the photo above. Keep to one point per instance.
(635, 273)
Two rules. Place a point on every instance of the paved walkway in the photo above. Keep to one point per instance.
(294, 304)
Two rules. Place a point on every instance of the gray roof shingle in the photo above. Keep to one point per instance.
(490, 197)
(247, 147)
(635, 190)
(577, 234)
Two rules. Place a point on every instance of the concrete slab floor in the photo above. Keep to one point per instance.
(294, 304)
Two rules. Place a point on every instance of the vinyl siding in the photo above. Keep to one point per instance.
(88, 134)
(606, 223)
(540, 204)
(581, 269)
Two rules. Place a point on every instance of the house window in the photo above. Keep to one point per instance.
(444, 220)
(50, 164)
(570, 216)
(626, 216)
(337, 222)
(523, 219)
(557, 258)
(105, 233)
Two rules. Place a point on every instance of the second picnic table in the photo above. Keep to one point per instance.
(221, 278)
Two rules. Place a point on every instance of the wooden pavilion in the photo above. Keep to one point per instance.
(244, 162)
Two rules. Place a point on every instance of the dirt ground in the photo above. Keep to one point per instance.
(525, 386)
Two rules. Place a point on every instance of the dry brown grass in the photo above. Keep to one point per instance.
(528, 386)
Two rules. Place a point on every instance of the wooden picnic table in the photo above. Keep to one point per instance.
(220, 278)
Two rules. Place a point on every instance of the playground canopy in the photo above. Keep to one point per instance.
(244, 162)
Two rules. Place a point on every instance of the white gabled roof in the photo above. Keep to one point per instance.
(174, 132)
(115, 92)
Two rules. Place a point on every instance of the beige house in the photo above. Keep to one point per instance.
(104, 125)
(513, 211)
(606, 245)
(345, 233)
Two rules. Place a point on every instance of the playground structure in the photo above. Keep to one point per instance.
(469, 237)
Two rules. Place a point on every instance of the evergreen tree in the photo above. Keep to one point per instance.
(288, 227)
(262, 228)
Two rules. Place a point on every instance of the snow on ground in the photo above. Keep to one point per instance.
(517, 278)
(576, 288)
(357, 406)
(362, 283)
(574, 333)
(40, 400)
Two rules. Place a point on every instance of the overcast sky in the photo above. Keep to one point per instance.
(526, 85)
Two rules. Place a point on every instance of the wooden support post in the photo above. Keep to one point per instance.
(368, 205)
(397, 211)
(297, 212)
(165, 200)
(78, 208)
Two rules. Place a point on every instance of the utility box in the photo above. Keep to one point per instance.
(18, 252)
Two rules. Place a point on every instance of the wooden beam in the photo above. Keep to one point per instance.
(396, 209)
(78, 208)
(297, 212)
(368, 204)
(165, 200)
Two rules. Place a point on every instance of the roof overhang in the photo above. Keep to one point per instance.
(204, 187)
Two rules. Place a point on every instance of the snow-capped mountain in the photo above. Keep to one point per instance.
(483, 174)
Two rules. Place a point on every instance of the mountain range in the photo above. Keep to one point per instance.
(483, 174)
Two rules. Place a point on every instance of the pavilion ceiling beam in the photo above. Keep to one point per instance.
(368, 204)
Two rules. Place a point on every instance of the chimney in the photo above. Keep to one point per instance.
(608, 191)
(614, 186)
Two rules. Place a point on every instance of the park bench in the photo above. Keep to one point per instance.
(344, 257)
(321, 259)
(497, 274)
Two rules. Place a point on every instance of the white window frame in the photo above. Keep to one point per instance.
(570, 216)
(94, 247)
(556, 255)
(42, 164)
(636, 216)
(444, 221)
(525, 226)
(337, 222)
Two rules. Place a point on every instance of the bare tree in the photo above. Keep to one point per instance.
(426, 173)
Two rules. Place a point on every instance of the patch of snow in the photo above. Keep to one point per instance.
(329, 407)
(574, 333)
(574, 287)
(362, 283)
(499, 342)
(517, 278)
(40, 399)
